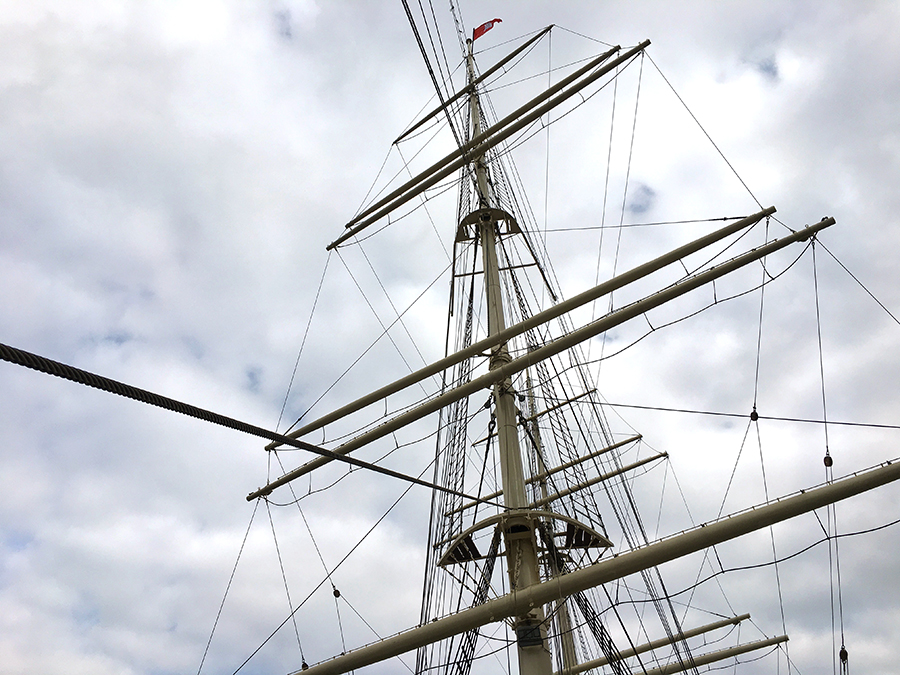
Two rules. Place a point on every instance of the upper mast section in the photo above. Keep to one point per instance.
(469, 228)
(477, 160)
(481, 182)
(517, 526)
(492, 136)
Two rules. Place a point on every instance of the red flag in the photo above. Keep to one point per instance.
(483, 28)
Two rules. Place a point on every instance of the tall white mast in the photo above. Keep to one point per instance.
(521, 519)
(518, 530)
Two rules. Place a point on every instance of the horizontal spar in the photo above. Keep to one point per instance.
(485, 141)
(712, 657)
(484, 346)
(355, 224)
(481, 78)
(656, 644)
(618, 567)
(555, 470)
(551, 349)
(597, 479)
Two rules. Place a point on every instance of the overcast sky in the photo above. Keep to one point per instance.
(170, 174)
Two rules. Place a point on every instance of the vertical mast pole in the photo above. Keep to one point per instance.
(519, 534)
(563, 621)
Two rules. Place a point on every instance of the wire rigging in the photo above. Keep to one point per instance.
(759, 326)
(861, 284)
(705, 133)
(631, 508)
(437, 86)
(451, 457)
(287, 590)
(754, 423)
(771, 529)
(228, 588)
(791, 556)
(834, 564)
(606, 179)
(326, 579)
(303, 342)
(370, 347)
(774, 418)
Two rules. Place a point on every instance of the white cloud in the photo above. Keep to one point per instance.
(169, 177)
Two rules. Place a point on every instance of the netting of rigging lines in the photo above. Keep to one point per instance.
(566, 436)
(571, 425)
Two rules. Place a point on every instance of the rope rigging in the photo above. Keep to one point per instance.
(385, 332)
(743, 568)
(450, 470)
(227, 589)
(834, 562)
(754, 422)
(513, 290)
(434, 79)
(705, 133)
(460, 471)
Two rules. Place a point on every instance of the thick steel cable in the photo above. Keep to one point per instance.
(66, 372)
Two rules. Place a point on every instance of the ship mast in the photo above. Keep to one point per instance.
(518, 529)
(523, 519)
(568, 659)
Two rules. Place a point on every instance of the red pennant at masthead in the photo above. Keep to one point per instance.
(483, 28)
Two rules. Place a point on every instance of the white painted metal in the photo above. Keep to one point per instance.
(486, 74)
(518, 530)
(655, 644)
(533, 514)
(535, 414)
(483, 142)
(560, 613)
(525, 604)
(617, 567)
(580, 460)
(553, 312)
(597, 479)
(712, 657)
(550, 349)
(546, 474)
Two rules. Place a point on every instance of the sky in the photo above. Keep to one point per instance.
(170, 174)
